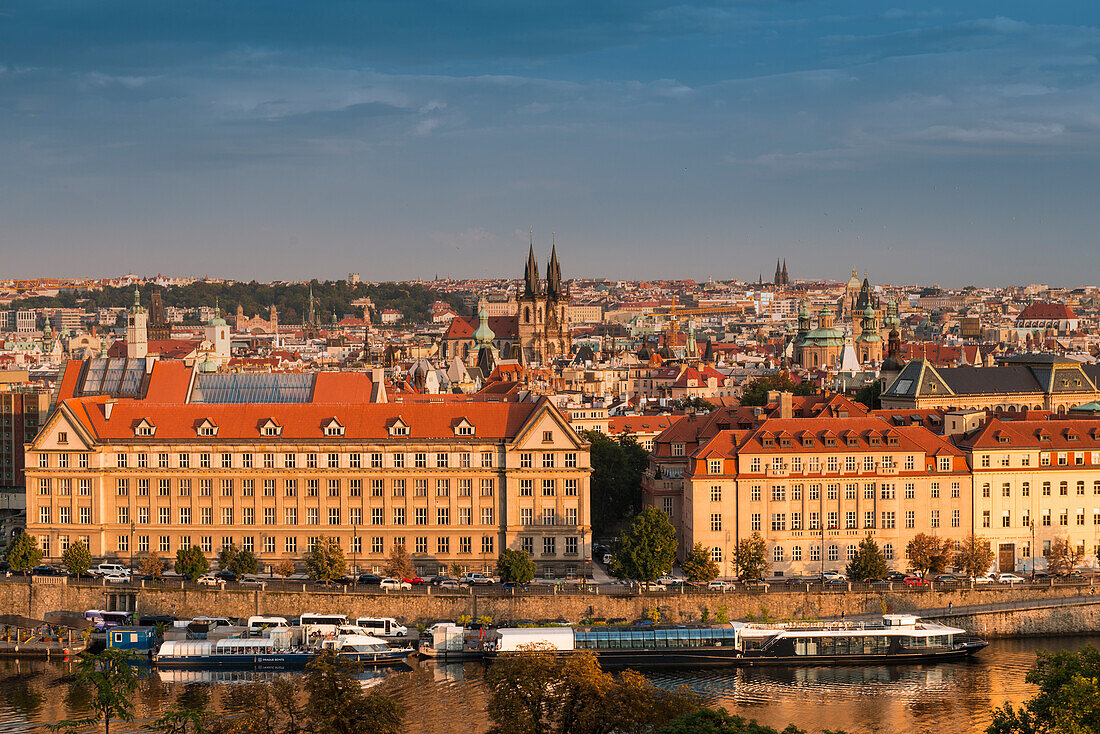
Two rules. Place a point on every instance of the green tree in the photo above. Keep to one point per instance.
(868, 563)
(647, 548)
(928, 554)
(515, 566)
(233, 559)
(693, 404)
(1062, 556)
(337, 703)
(191, 563)
(1068, 701)
(752, 558)
(325, 560)
(699, 566)
(869, 395)
(975, 557)
(77, 558)
(616, 483)
(150, 564)
(755, 392)
(23, 553)
(399, 564)
(112, 679)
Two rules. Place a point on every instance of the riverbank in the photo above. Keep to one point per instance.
(35, 600)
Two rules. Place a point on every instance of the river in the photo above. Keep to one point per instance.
(945, 698)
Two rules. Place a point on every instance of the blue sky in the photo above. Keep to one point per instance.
(921, 142)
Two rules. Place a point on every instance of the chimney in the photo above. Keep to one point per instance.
(108, 407)
(378, 385)
(786, 405)
(773, 396)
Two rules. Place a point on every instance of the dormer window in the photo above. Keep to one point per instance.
(830, 441)
(333, 428)
(1002, 437)
(271, 428)
(892, 439)
(1044, 436)
(464, 428)
(145, 429)
(807, 442)
(399, 428)
(852, 441)
(1071, 435)
(207, 429)
(876, 440)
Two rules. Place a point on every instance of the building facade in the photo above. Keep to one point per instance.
(208, 460)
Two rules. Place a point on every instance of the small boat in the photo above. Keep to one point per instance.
(274, 652)
(896, 638)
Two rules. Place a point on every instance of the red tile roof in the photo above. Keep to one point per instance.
(1046, 311)
(164, 348)
(463, 327)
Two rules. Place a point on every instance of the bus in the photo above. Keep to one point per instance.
(257, 625)
(103, 620)
(325, 624)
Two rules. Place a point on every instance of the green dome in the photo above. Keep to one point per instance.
(483, 334)
(209, 365)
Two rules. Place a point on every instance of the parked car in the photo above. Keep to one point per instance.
(719, 586)
(225, 576)
(896, 576)
(947, 578)
(394, 584)
(984, 579)
(914, 580)
(755, 584)
(836, 581)
(799, 581)
(513, 585)
(45, 570)
(208, 579)
(370, 579)
(452, 584)
(832, 575)
(479, 579)
(1010, 578)
(414, 580)
(116, 578)
(106, 568)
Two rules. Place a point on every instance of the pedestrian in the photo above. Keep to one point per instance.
(949, 605)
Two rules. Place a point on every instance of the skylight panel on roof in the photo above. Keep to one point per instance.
(253, 388)
(902, 386)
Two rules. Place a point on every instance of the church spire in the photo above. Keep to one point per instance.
(531, 276)
(553, 270)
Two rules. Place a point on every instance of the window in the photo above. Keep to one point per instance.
(956, 518)
(487, 544)
(526, 516)
(526, 488)
(548, 488)
(985, 518)
(443, 545)
(850, 552)
(779, 493)
(525, 461)
(465, 516)
(398, 488)
(547, 461)
(206, 516)
(777, 554)
(248, 516)
(888, 520)
(714, 466)
(1006, 519)
(421, 516)
(834, 552)
(334, 516)
(313, 516)
(571, 460)
(421, 487)
(185, 516)
(779, 521)
(935, 518)
(815, 492)
(850, 491)
(248, 487)
(465, 487)
(487, 516)
(850, 520)
(756, 523)
(377, 516)
(715, 522)
(570, 487)
(269, 516)
(935, 490)
(754, 493)
(487, 487)
(486, 460)
(421, 544)
(291, 515)
(549, 517)
(869, 519)
(334, 488)
(715, 494)
(442, 487)
(911, 519)
(549, 546)
(227, 488)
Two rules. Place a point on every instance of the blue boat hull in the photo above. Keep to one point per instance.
(279, 660)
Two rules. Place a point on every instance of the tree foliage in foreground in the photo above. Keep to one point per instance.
(698, 565)
(928, 554)
(191, 562)
(752, 558)
(399, 564)
(1063, 556)
(536, 692)
(112, 679)
(23, 553)
(975, 557)
(755, 392)
(709, 721)
(647, 548)
(233, 559)
(1068, 701)
(77, 558)
(325, 560)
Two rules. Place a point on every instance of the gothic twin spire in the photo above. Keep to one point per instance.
(532, 283)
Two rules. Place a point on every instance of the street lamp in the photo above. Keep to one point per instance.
(354, 567)
(131, 546)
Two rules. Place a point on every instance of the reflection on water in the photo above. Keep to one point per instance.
(946, 698)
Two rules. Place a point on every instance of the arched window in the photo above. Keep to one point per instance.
(526, 314)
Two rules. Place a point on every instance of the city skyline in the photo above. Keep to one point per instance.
(658, 140)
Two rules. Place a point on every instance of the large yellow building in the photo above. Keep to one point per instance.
(152, 456)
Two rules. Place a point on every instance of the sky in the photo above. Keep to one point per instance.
(949, 143)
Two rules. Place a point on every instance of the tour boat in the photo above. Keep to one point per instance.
(277, 651)
(896, 638)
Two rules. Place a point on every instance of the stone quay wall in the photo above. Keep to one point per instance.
(36, 599)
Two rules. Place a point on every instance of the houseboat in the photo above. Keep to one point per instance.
(281, 648)
(896, 638)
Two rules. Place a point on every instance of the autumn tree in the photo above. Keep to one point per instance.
(150, 564)
(928, 553)
(112, 679)
(755, 392)
(752, 558)
(975, 557)
(325, 560)
(698, 566)
(1062, 557)
(399, 564)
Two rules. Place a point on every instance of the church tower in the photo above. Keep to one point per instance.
(542, 316)
(137, 330)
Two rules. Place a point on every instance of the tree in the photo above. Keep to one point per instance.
(235, 560)
(975, 557)
(285, 568)
(752, 558)
(1062, 556)
(1068, 701)
(710, 721)
(337, 703)
(112, 679)
(755, 392)
(191, 562)
(693, 404)
(536, 692)
(515, 566)
(150, 564)
(699, 566)
(325, 560)
(23, 553)
(868, 563)
(77, 558)
(928, 554)
(870, 395)
(399, 565)
(647, 548)
(616, 483)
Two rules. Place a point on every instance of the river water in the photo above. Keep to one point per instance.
(945, 698)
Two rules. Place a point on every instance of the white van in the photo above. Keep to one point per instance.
(257, 625)
(325, 624)
(104, 569)
(382, 626)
